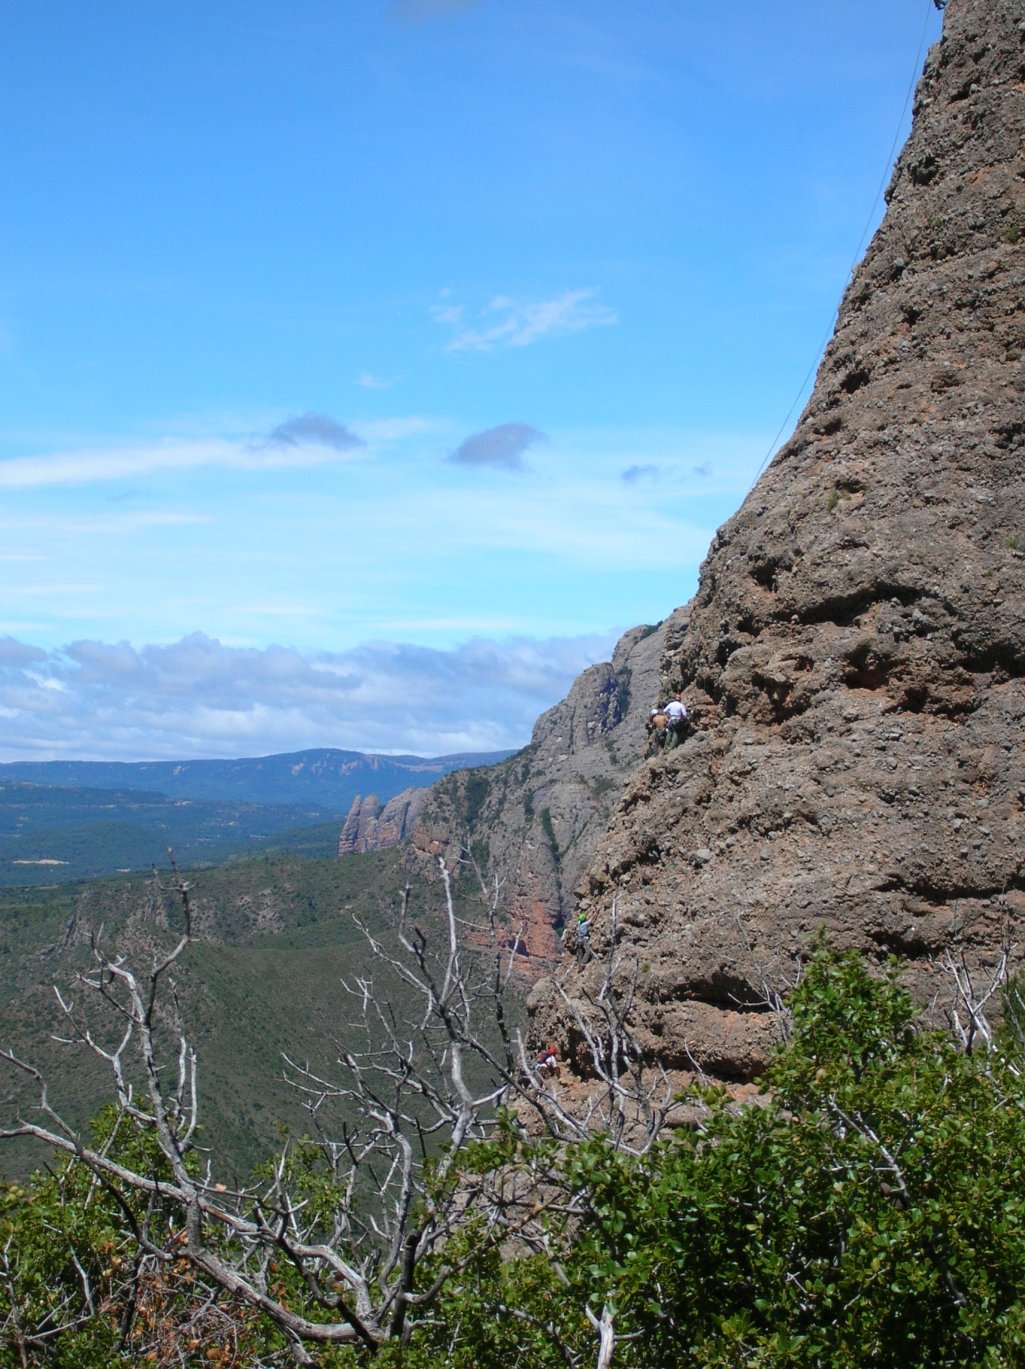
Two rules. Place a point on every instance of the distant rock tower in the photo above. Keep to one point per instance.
(857, 643)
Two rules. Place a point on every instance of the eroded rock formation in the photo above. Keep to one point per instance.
(372, 826)
(532, 823)
(857, 643)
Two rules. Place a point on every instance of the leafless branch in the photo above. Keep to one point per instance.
(416, 1082)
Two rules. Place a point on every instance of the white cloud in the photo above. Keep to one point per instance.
(199, 697)
(175, 454)
(15, 653)
(516, 323)
(366, 381)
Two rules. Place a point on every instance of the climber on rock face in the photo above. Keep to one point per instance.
(583, 940)
(548, 1062)
(676, 715)
(656, 728)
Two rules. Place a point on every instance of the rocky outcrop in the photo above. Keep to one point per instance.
(532, 823)
(857, 643)
(371, 825)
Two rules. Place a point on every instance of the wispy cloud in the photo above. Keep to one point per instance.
(396, 429)
(278, 609)
(366, 381)
(491, 622)
(57, 529)
(507, 322)
(49, 590)
(502, 447)
(306, 441)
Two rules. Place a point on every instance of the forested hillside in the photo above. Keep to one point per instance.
(273, 939)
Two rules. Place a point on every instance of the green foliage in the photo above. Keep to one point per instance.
(1011, 1037)
(868, 1209)
(476, 787)
(623, 677)
(266, 927)
(871, 1212)
(77, 1292)
(548, 828)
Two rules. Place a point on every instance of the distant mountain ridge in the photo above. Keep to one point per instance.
(326, 777)
(68, 820)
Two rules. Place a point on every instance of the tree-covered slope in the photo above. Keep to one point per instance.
(274, 939)
(50, 834)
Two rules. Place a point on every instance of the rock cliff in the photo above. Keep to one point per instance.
(372, 826)
(532, 822)
(857, 644)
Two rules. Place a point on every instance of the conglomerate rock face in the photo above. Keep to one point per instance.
(857, 644)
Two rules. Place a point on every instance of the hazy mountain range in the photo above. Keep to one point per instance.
(63, 820)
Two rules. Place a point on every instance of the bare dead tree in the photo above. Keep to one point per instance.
(968, 1014)
(415, 1084)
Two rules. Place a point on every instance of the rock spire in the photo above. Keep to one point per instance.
(857, 642)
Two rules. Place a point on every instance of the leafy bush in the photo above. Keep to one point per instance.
(868, 1209)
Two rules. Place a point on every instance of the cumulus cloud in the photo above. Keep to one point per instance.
(319, 429)
(502, 446)
(634, 473)
(15, 653)
(198, 697)
(507, 322)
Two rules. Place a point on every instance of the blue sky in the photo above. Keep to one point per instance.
(366, 368)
